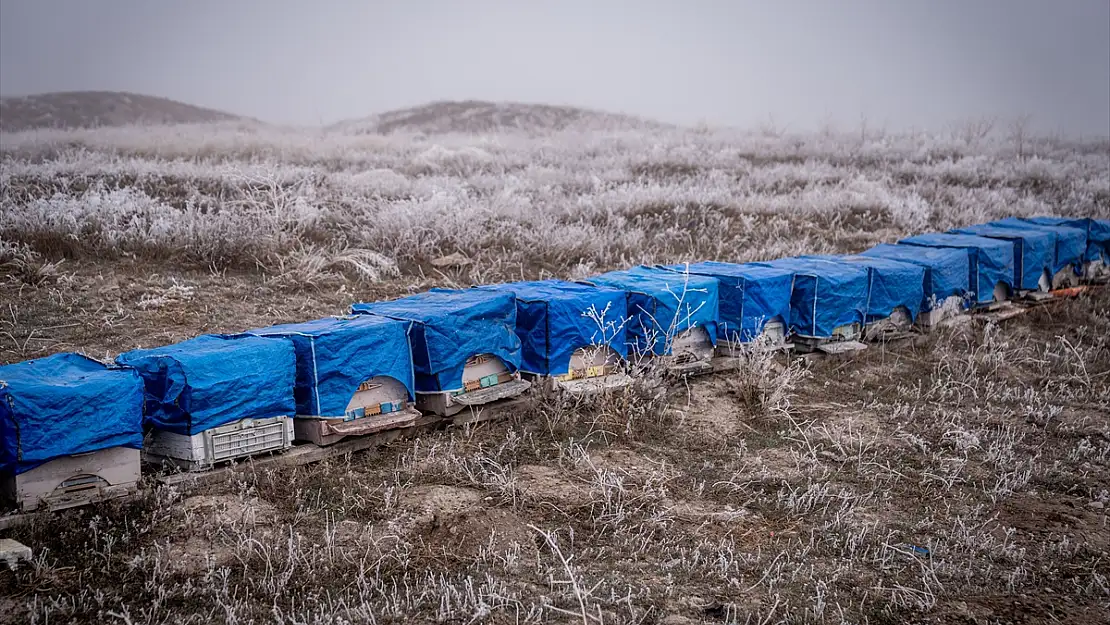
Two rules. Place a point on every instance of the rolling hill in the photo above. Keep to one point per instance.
(86, 109)
(477, 116)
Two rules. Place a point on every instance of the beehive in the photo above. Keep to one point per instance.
(753, 302)
(216, 398)
(570, 332)
(70, 431)
(828, 300)
(946, 278)
(354, 376)
(464, 346)
(990, 263)
(672, 315)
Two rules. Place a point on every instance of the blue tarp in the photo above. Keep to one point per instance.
(215, 379)
(1098, 233)
(892, 284)
(663, 304)
(337, 354)
(554, 318)
(749, 295)
(946, 269)
(992, 260)
(825, 295)
(1071, 242)
(450, 326)
(66, 404)
(1034, 251)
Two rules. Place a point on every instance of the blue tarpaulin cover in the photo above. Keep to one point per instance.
(66, 404)
(215, 379)
(1071, 242)
(992, 260)
(1098, 233)
(825, 296)
(750, 296)
(555, 317)
(337, 354)
(891, 284)
(663, 304)
(1034, 251)
(450, 326)
(946, 269)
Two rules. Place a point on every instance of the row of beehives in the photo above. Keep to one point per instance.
(73, 427)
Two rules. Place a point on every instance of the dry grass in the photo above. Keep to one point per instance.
(950, 481)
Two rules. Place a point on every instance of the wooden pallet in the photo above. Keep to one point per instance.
(492, 411)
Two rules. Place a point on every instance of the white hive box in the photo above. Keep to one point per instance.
(75, 480)
(593, 369)
(381, 403)
(485, 380)
(952, 306)
(692, 353)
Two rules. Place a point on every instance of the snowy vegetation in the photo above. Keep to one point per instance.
(250, 196)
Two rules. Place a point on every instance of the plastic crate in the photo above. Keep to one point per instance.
(239, 439)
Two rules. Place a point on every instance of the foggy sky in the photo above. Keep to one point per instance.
(899, 63)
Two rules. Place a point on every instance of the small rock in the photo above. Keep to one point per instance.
(13, 552)
(1097, 505)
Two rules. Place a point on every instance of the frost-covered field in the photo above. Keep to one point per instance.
(961, 477)
(244, 196)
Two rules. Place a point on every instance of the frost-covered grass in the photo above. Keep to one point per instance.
(242, 196)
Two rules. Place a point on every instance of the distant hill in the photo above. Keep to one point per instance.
(475, 116)
(87, 109)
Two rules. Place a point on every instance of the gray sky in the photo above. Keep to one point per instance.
(900, 63)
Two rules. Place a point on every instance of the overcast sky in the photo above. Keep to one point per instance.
(899, 63)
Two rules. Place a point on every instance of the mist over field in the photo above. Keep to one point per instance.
(799, 65)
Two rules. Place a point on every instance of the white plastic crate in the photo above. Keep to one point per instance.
(379, 404)
(485, 379)
(75, 480)
(239, 439)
